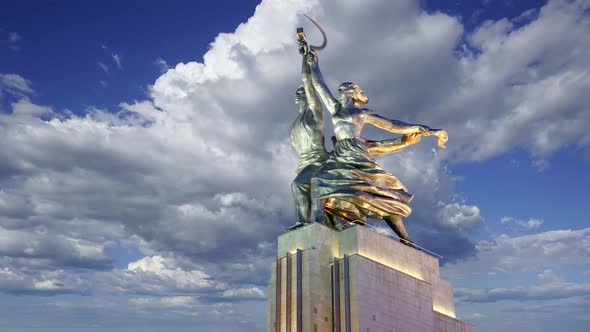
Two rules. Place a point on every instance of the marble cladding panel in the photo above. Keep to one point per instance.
(365, 242)
(385, 298)
(442, 297)
(313, 236)
(444, 323)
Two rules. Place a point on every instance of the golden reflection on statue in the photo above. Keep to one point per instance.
(348, 185)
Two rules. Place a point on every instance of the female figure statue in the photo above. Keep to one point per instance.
(351, 183)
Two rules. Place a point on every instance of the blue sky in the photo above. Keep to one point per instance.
(145, 165)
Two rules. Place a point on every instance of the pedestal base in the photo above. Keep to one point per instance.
(356, 280)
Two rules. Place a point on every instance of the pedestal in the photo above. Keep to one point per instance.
(356, 280)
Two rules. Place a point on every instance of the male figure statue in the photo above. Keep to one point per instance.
(308, 140)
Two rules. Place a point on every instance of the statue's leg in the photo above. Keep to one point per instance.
(317, 204)
(397, 225)
(300, 189)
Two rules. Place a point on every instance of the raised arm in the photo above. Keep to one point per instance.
(394, 126)
(313, 101)
(320, 86)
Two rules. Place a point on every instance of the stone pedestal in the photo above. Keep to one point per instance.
(356, 280)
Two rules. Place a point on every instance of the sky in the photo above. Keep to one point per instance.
(145, 162)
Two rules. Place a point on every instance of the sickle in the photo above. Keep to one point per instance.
(321, 47)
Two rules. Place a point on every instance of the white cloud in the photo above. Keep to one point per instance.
(13, 37)
(462, 217)
(549, 286)
(59, 250)
(474, 316)
(207, 162)
(202, 169)
(15, 84)
(529, 224)
(117, 58)
(245, 293)
(523, 83)
(548, 277)
(570, 309)
(13, 41)
(102, 66)
(25, 109)
(536, 252)
(159, 302)
(157, 275)
(162, 64)
(121, 313)
(15, 281)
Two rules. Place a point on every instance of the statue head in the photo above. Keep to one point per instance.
(300, 98)
(349, 90)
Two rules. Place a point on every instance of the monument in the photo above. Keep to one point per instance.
(333, 273)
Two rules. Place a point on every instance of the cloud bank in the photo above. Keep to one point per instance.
(196, 177)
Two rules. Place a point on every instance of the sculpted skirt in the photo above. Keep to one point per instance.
(353, 185)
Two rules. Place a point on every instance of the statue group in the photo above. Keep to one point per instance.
(346, 186)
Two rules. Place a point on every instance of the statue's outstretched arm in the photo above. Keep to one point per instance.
(394, 126)
(399, 127)
(388, 146)
(320, 86)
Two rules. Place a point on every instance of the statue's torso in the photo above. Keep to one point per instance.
(306, 133)
(347, 123)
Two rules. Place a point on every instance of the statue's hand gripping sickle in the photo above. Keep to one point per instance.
(302, 42)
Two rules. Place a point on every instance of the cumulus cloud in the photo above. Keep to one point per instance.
(550, 296)
(203, 168)
(462, 217)
(58, 249)
(159, 276)
(39, 280)
(151, 276)
(527, 253)
(201, 171)
(516, 78)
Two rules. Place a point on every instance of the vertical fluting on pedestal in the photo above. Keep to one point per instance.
(288, 293)
(347, 323)
(288, 302)
(336, 295)
(299, 308)
(278, 296)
